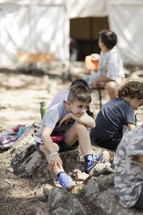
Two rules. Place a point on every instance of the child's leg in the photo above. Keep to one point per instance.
(63, 178)
(80, 132)
(56, 168)
(112, 88)
(90, 79)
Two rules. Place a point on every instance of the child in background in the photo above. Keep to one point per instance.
(117, 113)
(110, 73)
(129, 169)
(62, 95)
(68, 118)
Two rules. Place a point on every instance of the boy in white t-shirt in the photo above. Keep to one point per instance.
(110, 73)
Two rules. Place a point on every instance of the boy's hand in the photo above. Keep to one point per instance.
(131, 126)
(65, 119)
(55, 160)
(95, 84)
(95, 57)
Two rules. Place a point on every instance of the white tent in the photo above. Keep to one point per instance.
(42, 26)
(39, 26)
(125, 19)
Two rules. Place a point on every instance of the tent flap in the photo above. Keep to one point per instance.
(86, 8)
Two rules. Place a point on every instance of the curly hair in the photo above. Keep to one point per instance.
(131, 89)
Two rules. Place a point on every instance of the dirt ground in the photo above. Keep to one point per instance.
(21, 92)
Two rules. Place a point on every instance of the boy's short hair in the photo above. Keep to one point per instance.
(80, 81)
(79, 92)
(109, 38)
(131, 89)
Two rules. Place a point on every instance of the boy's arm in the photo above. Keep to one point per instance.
(51, 147)
(131, 126)
(85, 120)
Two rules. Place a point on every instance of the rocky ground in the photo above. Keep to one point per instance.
(21, 92)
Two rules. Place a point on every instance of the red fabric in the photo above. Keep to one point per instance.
(57, 138)
(17, 128)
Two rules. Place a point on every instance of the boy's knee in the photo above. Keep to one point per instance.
(112, 89)
(111, 85)
(80, 126)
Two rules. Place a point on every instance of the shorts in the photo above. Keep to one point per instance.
(90, 80)
(108, 144)
(63, 147)
(61, 131)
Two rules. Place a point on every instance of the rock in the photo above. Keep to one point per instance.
(39, 208)
(102, 168)
(109, 204)
(80, 176)
(106, 157)
(97, 185)
(92, 190)
(62, 201)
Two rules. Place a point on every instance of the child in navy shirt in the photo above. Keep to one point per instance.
(117, 113)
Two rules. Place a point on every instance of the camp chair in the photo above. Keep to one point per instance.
(93, 65)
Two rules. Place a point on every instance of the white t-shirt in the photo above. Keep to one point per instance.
(110, 65)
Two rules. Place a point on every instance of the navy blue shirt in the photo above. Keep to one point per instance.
(111, 118)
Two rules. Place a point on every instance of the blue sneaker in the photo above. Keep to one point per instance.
(66, 181)
(91, 162)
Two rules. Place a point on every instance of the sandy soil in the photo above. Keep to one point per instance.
(20, 95)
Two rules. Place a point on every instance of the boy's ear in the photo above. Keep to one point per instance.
(68, 102)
